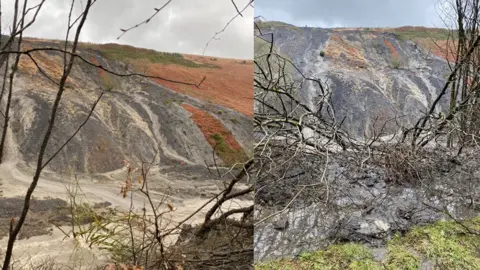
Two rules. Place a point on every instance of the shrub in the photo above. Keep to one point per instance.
(322, 53)
(396, 62)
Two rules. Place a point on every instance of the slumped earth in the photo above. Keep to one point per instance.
(186, 129)
(357, 210)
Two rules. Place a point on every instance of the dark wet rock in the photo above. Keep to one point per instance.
(281, 224)
(362, 205)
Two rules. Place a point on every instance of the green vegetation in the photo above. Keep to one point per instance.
(276, 24)
(225, 151)
(169, 101)
(445, 245)
(396, 62)
(399, 255)
(218, 138)
(347, 256)
(422, 33)
(322, 53)
(124, 53)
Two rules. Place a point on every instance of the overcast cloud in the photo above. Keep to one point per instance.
(184, 26)
(351, 13)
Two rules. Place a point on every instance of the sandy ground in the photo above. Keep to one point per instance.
(182, 194)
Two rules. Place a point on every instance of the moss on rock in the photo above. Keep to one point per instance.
(443, 245)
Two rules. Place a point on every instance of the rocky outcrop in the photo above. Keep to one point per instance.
(360, 195)
(371, 74)
(362, 204)
(136, 119)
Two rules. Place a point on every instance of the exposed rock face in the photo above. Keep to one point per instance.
(133, 121)
(370, 73)
(361, 204)
(353, 196)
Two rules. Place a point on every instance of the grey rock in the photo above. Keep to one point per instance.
(281, 224)
(137, 119)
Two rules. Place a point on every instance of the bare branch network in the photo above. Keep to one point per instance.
(140, 238)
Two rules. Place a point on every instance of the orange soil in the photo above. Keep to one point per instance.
(107, 81)
(390, 46)
(336, 46)
(394, 54)
(230, 86)
(209, 126)
(439, 48)
(436, 47)
(51, 65)
(102, 73)
(338, 39)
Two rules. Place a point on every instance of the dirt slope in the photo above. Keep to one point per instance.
(372, 73)
(138, 117)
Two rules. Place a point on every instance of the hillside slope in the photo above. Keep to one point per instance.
(372, 73)
(319, 199)
(138, 117)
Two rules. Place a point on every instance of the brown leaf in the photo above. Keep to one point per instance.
(170, 206)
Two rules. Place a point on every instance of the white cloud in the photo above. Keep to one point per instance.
(351, 13)
(188, 22)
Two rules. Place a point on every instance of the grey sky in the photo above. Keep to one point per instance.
(183, 26)
(352, 13)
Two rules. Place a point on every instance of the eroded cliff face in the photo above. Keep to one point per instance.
(134, 120)
(340, 197)
(372, 74)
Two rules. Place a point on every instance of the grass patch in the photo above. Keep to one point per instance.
(400, 257)
(396, 62)
(445, 245)
(276, 24)
(125, 53)
(226, 152)
(415, 34)
(347, 256)
(218, 136)
(169, 101)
